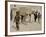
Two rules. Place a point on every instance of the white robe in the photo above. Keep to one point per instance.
(27, 18)
(32, 17)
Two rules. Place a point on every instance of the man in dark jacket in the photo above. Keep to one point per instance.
(16, 19)
(35, 16)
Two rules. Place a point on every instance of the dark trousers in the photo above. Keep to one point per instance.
(35, 18)
(17, 25)
(22, 18)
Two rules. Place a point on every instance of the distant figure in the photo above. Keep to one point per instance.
(11, 16)
(27, 18)
(30, 17)
(16, 19)
(39, 17)
(22, 18)
(35, 16)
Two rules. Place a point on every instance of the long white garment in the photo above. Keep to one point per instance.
(27, 18)
(20, 20)
(32, 17)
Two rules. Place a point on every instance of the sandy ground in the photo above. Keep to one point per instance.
(32, 26)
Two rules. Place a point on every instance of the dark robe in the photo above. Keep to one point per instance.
(35, 16)
(17, 18)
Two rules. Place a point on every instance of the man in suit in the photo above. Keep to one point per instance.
(16, 19)
(35, 16)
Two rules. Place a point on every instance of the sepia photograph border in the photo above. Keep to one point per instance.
(6, 18)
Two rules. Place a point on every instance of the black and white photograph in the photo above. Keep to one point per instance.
(25, 18)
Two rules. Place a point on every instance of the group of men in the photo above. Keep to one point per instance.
(37, 15)
(17, 18)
